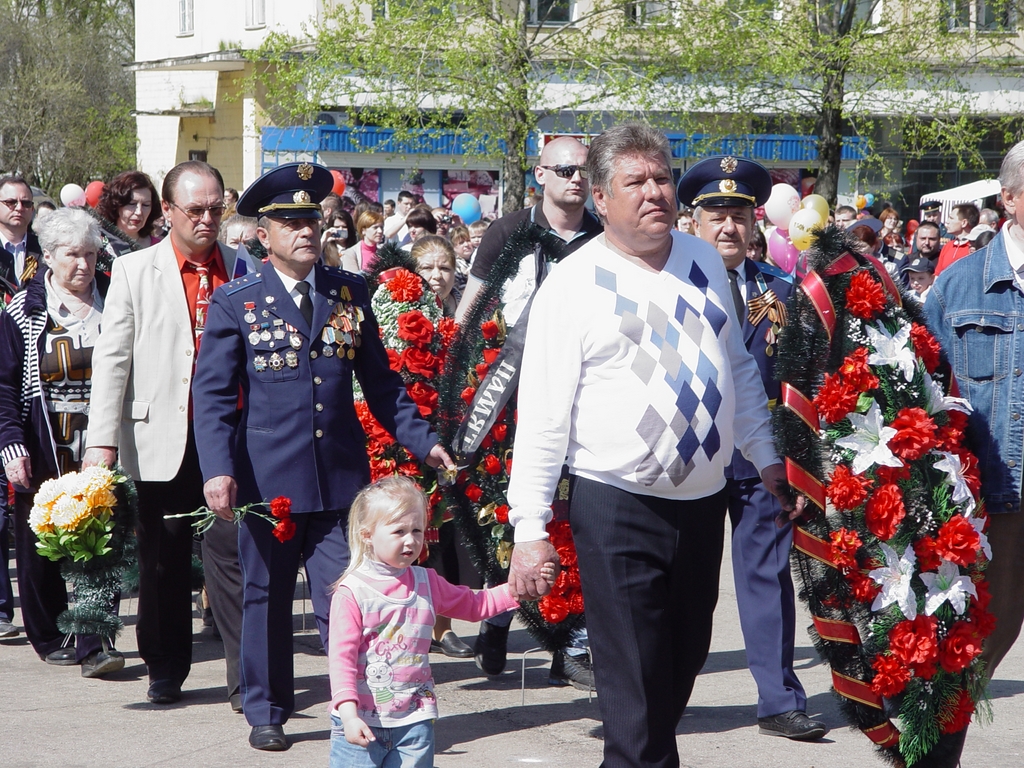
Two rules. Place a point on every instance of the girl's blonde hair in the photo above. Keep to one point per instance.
(379, 504)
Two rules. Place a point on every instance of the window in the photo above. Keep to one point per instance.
(980, 15)
(186, 23)
(255, 14)
(652, 11)
(197, 154)
(551, 11)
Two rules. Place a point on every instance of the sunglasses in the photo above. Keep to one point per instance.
(196, 213)
(566, 171)
(28, 205)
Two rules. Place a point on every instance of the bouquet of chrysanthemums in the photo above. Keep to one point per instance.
(73, 515)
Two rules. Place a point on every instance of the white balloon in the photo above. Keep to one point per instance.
(72, 194)
(802, 226)
(783, 202)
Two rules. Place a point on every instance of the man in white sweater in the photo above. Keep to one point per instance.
(634, 369)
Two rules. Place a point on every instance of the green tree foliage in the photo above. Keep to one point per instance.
(491, 68)
(907, 70)
(66, 98)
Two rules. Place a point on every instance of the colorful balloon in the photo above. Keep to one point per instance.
(802, 227)
(781, 205)
(818, 203)
(93, 190)
(339, 183)
(861, 202)
(869, 199)
(72, 196)
(781, 250)
(466, 207)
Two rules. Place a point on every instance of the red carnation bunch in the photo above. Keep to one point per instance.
(961, 646)
(846, 490)
(864, 588)
(956, 712)
(865, 297)
(950, 436)
(405, 286)
(926, 346)
(856, 372)
(915, 434)
(845, 545)
(281, 510)
(566, 596)
(885, 511)
(836, 399)
(916, 644)
(957, 541)
(891, 676)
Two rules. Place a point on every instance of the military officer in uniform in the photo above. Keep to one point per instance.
(290, 338)
(724, 191)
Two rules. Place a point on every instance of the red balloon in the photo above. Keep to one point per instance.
(339, 183)
(93, 192)
(912, 226)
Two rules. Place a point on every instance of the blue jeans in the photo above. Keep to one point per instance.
(411, 746)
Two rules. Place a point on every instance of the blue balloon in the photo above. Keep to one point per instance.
(466, 207)
(870, 199)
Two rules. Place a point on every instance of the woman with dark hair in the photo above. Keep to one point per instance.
(420, 221)
(339, 235)
(758, 247)
(126, 211)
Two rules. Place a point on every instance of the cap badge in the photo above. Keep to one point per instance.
(302, 196)
(305, 171)
(729, 164)
(727, 185)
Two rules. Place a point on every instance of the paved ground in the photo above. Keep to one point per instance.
(50, 716)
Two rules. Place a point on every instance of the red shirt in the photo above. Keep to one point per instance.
(952, 251)
(190, 278)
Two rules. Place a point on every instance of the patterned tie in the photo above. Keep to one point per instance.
(202, 300)
(737, 297)
(305, 303)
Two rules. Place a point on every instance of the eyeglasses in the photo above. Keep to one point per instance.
(28, 205)
(195, 213)
(566, 171)
(444, 219)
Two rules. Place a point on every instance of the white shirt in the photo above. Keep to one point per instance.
(290, 283)
(1015, 254)
(20, 251)
(399, 236)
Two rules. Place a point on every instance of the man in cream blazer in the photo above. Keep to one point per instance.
(141, 414)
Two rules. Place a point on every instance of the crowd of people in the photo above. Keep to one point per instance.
(206, 342)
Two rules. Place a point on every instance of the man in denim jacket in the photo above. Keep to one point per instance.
(976, 310)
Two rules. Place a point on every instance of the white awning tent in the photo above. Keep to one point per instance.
(975, 192)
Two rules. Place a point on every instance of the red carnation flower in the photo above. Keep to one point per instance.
(956, 712)
(835, 399)
(490, 355)
(492, 464)
(281, 507)
(885, 511)
(915, 642)
(554, 609)
(926, 549)
(481, 370)
(845, 545)
(501, 514)
(926, 346)
(405, 286)
(856, 372)
(500, 432)
(961, 646)
(409, 469)
(489, 328)
(915, 434)
(892, 474)
(950, 436)
(957, 541)
(891, 677)
(846, 490)
(983, 621)
(865, 297)
(474, 493)
(284, 529)
(447, 327)
(567, 555)
(468, 394)
(424, 396)
(415, 328)
(864, 588)
(576, 603)
(420, 362)
(394, 361)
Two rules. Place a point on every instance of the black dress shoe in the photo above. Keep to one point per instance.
(100, 663)
(451, 645)
(62, 657)
(269, 738)
(491, 648)
(794, 725)
(164, 692)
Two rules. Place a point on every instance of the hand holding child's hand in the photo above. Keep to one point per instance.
(549, 572)
(357, 732)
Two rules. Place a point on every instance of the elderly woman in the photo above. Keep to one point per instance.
(127, 212)
(47, 334)
(370, 231)
(435, 263)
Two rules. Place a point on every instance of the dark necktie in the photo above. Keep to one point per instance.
(737, 297)
(305, 303)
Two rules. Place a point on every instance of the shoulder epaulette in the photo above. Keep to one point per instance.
(774, 271)
(242, 282)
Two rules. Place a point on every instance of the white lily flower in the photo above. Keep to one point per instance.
(892, 349)
(951, 465)
(894, 579)
(869, 441)
(948, 584)
(979, 524)
(936, 401)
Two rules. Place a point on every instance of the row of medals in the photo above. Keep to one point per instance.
(342, 330)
